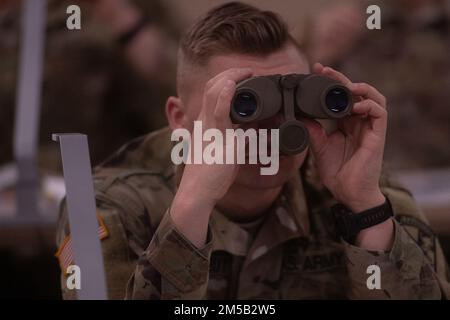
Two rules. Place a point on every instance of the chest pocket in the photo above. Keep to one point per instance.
(312, 270)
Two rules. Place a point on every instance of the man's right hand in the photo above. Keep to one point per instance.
(202, 185)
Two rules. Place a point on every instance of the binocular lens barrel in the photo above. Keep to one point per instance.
(316, 97)
(336, 100)
(299, 95)
(245, 104)
(256, 99)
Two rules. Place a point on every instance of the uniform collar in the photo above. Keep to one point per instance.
(288, 219)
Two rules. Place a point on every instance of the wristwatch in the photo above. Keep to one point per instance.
(349, 224)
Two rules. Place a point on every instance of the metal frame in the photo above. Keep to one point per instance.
(81, 209)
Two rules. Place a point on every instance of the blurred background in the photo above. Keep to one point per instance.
(101, 82)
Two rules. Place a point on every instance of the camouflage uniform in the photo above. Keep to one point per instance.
(295, 253)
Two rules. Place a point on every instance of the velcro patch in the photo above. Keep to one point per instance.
(65, 252)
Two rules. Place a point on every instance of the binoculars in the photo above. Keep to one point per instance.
(298, 95)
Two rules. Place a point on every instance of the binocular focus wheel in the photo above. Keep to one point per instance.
(294, 137)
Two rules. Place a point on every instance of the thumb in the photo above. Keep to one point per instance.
(317, 135)
(317, 68)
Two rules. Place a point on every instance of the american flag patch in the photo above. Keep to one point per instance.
(65, 252)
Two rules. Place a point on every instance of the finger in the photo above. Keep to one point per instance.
(222, 81)
(368, 92)
(211, 95)
(317, 67)
(336, 75)
(350, 126)
(222, 109)
(317, 135)
(236, 74)
(215, 86)
(377, 114)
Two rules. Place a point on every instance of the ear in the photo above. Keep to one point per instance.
(175, 113)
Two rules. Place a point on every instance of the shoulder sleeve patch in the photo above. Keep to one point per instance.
(65, 253)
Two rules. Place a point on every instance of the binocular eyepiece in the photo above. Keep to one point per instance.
(298, 95)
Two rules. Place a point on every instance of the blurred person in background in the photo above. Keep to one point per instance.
(108, 80)
(105, 80)
(408, 60)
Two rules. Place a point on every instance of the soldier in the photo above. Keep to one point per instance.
(225, 231)
(117, 58)
(407, 60)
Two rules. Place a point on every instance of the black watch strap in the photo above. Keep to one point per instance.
(350, 224)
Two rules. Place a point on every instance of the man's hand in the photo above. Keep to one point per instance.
(212, 181)
(349, 160)
(202, 185)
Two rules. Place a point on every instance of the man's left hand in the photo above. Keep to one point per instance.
(349, 160)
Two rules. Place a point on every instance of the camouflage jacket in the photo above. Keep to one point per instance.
(296, 254)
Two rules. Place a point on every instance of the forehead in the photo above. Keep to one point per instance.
(284, 61)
